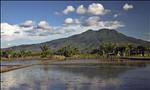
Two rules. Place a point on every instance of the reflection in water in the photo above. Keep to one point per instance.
(46, 77)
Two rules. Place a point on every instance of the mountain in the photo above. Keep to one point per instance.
(87, 41)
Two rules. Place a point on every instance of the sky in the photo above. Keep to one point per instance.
(29, 22)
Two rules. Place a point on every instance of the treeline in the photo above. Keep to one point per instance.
(104, 50)
(9, 53)
(111, 49)
(66, 51)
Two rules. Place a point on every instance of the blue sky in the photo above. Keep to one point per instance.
(27, 22)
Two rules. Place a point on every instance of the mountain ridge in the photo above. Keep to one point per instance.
(87, 40)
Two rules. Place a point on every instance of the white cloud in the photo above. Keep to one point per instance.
(8, 30)
(104, 24)
(44, 25)
(110, 24)
(71, 21)
(93, 9)
(116, 15)
(28, 23)
(77, 21)
(67, 29)
(92, 20)
(44, 32)
(69, 9)
(81, 10)
(97, 9)
(127, 6)
(14, 32)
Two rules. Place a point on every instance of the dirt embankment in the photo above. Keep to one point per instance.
(6, 68)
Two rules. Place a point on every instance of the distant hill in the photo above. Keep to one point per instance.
(87, 41)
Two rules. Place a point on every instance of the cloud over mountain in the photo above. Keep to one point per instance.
(92, 20)
(71, 26)
(74, 19)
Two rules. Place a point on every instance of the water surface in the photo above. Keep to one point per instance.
(97, 77)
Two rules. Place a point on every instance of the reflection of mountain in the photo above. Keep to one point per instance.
(72, 78)
(104, 71)
(87, 40)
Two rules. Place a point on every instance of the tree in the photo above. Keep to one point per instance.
(16, 55)
(148, 51)
(22, 53)
(129, 49)
(45, 51)
(120, 50)
(68, 51)
(75, 50)
(102, 50)
(9, 53)
(3, 53)
(28, 53)
(105, 49)
(141, 50)
(96, 51)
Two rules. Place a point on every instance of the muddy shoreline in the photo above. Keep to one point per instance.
(6, 68)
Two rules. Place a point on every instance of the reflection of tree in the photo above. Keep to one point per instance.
(103, 71)
(45, 68)
(45, 80)
(70, 86)
(68, 78)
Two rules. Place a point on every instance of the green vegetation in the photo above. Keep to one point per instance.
(45, 51)
(68, 51)
(8, 54)
(128, 50)
(105, 50)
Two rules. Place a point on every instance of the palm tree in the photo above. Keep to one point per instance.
(120, 50)
(107, 49)
(45, 51)
(68, 51)
(28, 53)
(128, 49)
(15, 55)
(9, 53)
(141, 50)
(148, 51)
(22, 53)
(101, 50)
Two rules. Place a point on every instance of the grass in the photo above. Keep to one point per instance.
(55, 57)
(79, 56)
